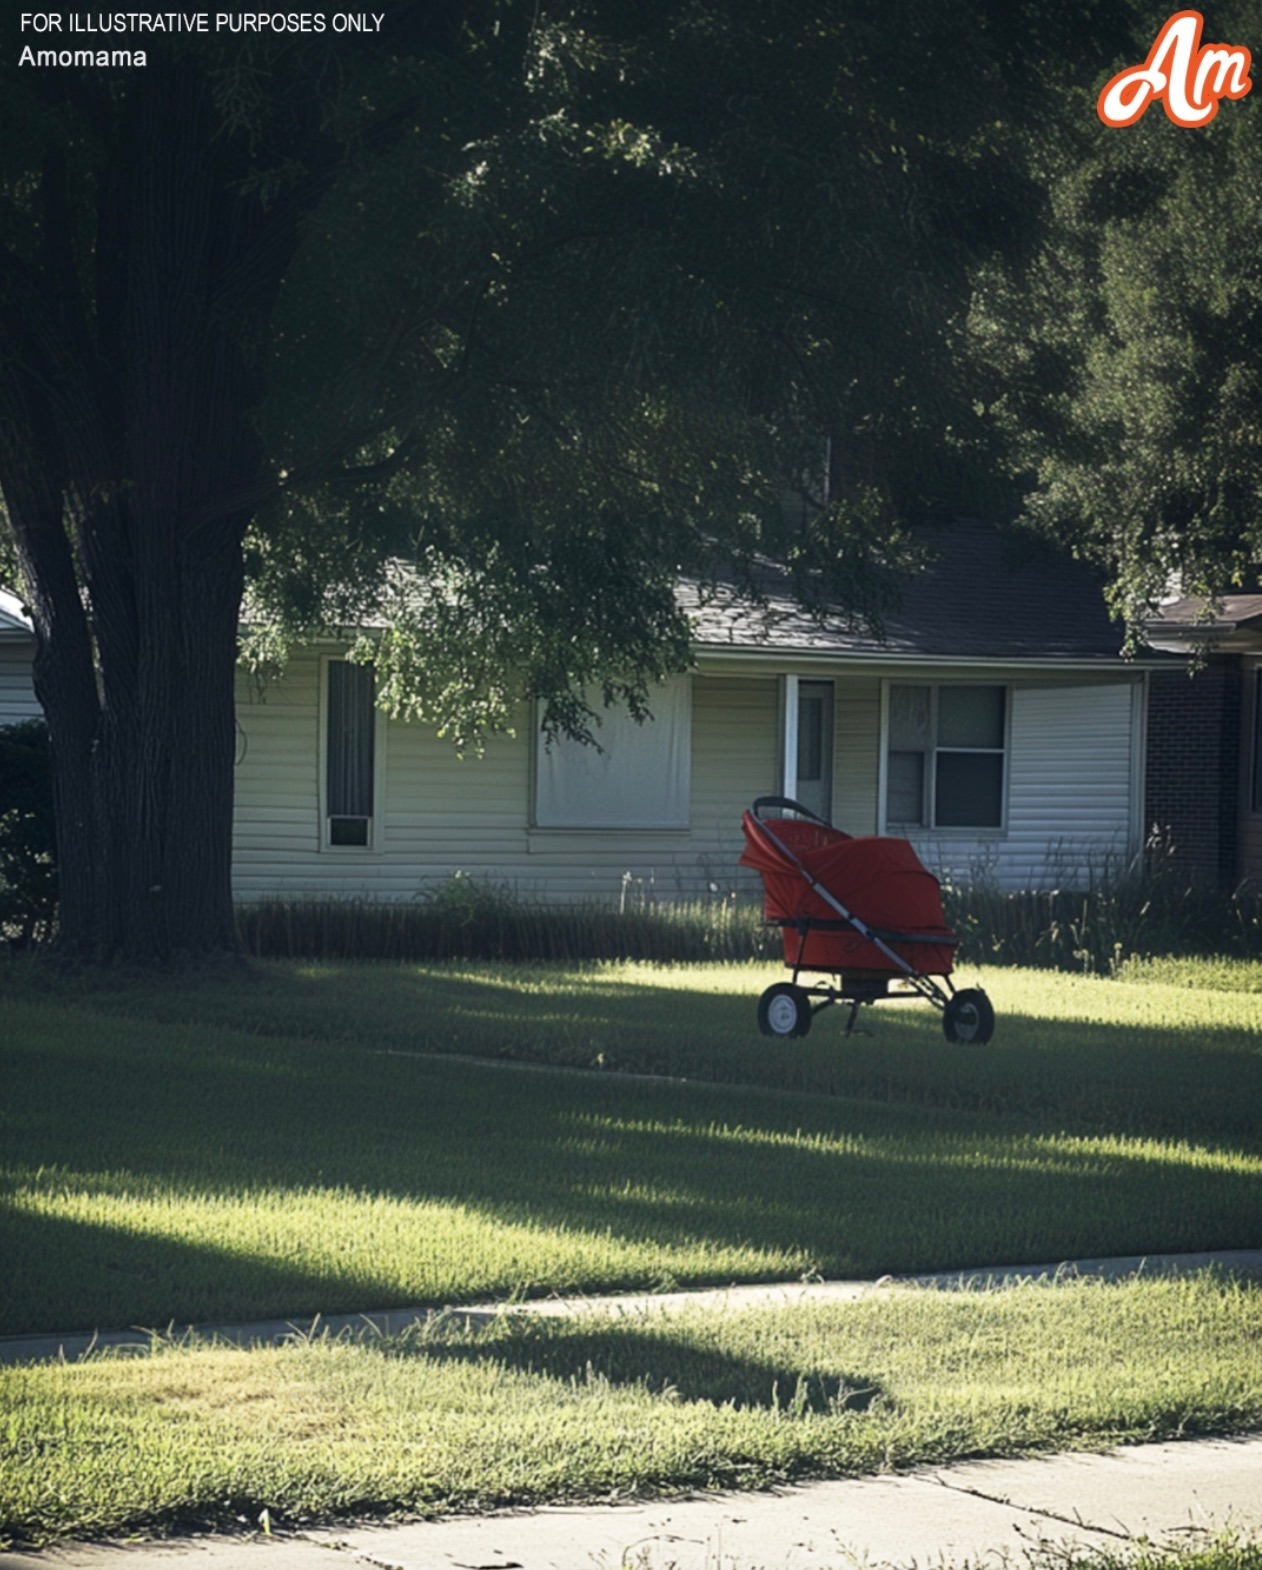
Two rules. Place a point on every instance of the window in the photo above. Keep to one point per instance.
(945, 759)
(639, 778)
(349, 748)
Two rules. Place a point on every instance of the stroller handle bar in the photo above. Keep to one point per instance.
(787, 803)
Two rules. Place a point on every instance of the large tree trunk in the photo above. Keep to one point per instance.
(161, 772)
(129, 465)
(142, 773)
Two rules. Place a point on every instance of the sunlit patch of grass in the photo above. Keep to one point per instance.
(523, 1409)
(172, 1154)
(1222, 975)
(206, 1256)
(1084, 1051)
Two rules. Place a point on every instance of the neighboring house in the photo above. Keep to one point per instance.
(995, 725)
(1205, 738)
(17, 695)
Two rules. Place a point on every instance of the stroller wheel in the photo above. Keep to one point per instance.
(969, 1016)
(784, 1010)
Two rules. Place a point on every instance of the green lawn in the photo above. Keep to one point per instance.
(307, 1139)
(210, 1169)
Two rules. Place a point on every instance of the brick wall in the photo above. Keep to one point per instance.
(1192, 785)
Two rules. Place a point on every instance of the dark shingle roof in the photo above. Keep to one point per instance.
(986, 595)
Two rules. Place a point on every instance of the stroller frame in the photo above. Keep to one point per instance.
(967, 1012)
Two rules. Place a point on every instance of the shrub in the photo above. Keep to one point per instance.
(28, 870)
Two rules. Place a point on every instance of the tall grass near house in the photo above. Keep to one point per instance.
(1118, 919)
(468, 919)
(1136, 914)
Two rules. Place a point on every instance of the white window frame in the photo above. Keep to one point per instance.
(929, 784)
(376, 834)
(789, 754)
(790, 735)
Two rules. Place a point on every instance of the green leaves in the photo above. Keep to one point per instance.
(1121, 352)
(28, 869)
(600, 296)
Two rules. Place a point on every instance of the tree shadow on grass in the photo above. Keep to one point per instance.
(107, 1278)
(844, 1186)
(632, 1352)
(1091, 1076)
(641, 1351)
(571, 1186)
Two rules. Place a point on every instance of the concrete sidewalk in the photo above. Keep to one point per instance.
(70, 1346)
(997, 1512)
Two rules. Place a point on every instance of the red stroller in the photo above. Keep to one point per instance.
(816, 880)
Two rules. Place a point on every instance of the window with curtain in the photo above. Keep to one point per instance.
(638, 779)
(350, 733)
(946, 755)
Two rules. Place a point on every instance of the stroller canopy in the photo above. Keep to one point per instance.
(879, 880)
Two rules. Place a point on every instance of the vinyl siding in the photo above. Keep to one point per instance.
(446, 814)
(276, 810)
(734, 759)
(442, 814)
(1071, 792)
(439, 814)
(856, 765)
(1070, 802)
(17, 694)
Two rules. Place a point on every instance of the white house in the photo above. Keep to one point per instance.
(17, 696)
(995, 725)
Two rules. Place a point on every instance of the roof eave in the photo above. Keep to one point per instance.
(1229, 638)
(782, 653)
